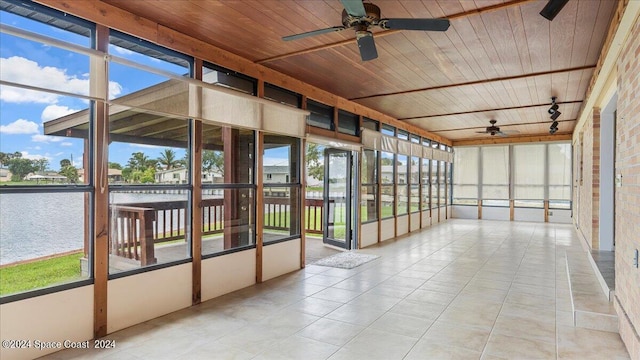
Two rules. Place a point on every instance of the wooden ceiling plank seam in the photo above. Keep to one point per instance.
(538, 38)
(584, 30)
(312, 12)
(531, 86)
(520, 37)
(484, 40)
(606, 12)
(205, 23)
(397, 54)
(562, 34)
(452, 32)
(543, 88)
(500, 39)
(443, 58)
(457, 38)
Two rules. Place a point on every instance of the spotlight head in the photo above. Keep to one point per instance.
(555, 124)
(555, 115)
(553, 108)
(552, 8)
(553, 130)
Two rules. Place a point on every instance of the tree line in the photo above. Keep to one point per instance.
(20, 166)
(140, 167)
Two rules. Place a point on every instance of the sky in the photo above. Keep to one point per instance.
(23, 112)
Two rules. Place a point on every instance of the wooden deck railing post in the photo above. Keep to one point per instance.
(147, 244)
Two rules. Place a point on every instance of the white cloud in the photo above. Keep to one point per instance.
(275, 161)
(17, 95)
(66, 144)
(46, 138)
(121, 51)
(55, 111)
(144, 146)
(26, 155)
(20, 126)
(24, 71)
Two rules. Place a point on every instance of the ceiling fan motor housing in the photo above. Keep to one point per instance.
(493, 129)
(372, 17)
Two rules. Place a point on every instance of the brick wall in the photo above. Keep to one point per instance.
(627, 212)
(588, 190)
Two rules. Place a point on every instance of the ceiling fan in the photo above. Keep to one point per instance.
(494, 130)
(361, 16)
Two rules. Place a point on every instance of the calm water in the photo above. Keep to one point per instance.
(36, 225)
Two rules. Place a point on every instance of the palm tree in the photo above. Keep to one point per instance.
(138, 161)
(168, 159)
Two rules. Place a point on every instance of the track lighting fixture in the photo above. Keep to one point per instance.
(553, 110)
(552, 8)
(553, 128)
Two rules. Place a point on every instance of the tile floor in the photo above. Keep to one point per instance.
(464, 289)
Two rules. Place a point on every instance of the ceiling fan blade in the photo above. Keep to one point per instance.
(416, 24)
(509, 132)
(354, 7)
(502, 134)
(367, 46)
(313, 33)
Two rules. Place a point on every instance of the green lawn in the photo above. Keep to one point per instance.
(39, 274)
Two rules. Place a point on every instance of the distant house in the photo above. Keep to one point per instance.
(278, 174)
(5, 175)
(172, 176)
(114, 175)
(181, 176)
(45, 176)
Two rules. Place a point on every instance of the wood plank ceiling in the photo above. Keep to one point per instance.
(499, 59)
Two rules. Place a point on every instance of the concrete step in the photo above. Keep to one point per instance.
(603, 263)
(592, 309)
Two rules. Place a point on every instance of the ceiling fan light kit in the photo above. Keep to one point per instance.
(361, 16)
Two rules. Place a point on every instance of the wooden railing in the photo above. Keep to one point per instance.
(132, 228)
(313, 214)
(136, 228)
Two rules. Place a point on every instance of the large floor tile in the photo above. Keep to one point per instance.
(376, 343)
(447, 334)
(428, 350)
(331, 331)
(402, 324)
(511, 347)
(578, 343)
(298, 347)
